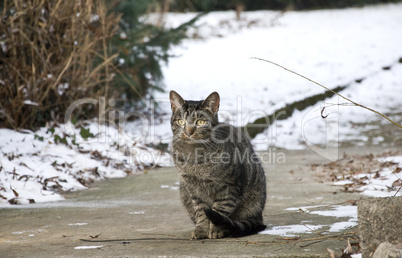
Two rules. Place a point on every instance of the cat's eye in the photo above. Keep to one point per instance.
(181, 122)
(201, 122)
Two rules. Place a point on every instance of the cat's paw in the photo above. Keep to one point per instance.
(216, 232)
(199, 233)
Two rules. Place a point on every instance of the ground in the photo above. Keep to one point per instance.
(141, 215)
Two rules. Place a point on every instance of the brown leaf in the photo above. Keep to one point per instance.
(95, 236)
(96, 155)
(397, 170)
(332, 254)
(15, 192)
(349, 248)
(352, 202)
(397, 183)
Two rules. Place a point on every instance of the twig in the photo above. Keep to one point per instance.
(312, 243)
(227, 240)
(328, 89)
(266, 243)
(134, 239)
(397, 191)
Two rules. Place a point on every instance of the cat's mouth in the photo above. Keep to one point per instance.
(192, 139)
(189, 139)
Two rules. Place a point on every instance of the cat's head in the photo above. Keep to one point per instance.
(194, 120)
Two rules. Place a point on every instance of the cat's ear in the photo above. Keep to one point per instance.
(212, 102)
(176, 101)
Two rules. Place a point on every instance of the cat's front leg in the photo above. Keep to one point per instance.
(225, 204)
(201, 221)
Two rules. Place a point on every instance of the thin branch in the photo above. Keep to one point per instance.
(226, 240)
(353, 102)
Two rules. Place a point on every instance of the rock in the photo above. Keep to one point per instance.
(387, 250)
(379, 221)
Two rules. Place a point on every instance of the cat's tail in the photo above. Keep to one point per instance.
(236, 228)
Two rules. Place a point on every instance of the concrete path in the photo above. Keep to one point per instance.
(141, 215)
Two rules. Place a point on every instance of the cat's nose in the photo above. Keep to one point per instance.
(189, 130)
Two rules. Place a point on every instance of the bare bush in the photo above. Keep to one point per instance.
(52, 52)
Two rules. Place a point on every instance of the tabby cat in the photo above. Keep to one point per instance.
(222, 182)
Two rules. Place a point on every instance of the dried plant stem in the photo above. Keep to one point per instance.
(120, 73)
(226, 240)
(353, 102)
(47, 58)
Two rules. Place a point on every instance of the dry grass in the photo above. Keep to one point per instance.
(52, 52)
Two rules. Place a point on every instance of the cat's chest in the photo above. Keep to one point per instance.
(201, 157)
(202, 177)
(199, 170)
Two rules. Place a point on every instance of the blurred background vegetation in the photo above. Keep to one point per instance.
(214, 5)
(54, 52)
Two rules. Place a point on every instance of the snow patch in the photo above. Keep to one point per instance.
(291, 230)
(339, 226)
(136, 212)
(78, 224)
(339, 211)
(88, 247)
(382, 186)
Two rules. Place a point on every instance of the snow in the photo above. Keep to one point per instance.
(332, 47)
(29, 102)
(379, 184)
(169, 187)
(341, 212)
(343, 182)
(136, 212)
(78, 224)
(339, 226)
(304, 208)
(38, 166)
(291, 230)
(88, 247)
(338, 211)
(382, 186)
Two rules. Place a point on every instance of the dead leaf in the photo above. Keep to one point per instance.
(397, 170)
(95, 236)
(397, 183)
(96, 155)
(349, 248)
(15, 192)
(352, 202)
(332, 254)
